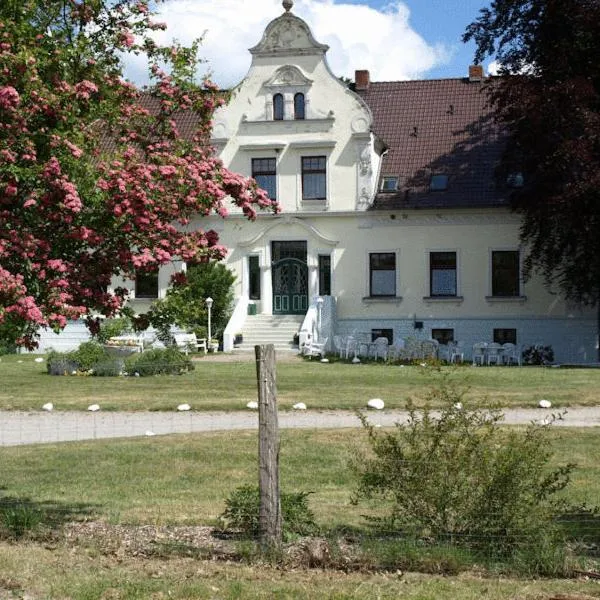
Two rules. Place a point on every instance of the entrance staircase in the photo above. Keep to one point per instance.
(278, 330)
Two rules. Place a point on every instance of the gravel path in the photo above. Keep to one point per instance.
(47, 427)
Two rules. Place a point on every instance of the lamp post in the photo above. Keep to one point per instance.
(209, 303)
(319, 312)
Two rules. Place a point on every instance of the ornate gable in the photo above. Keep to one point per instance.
(288, 35)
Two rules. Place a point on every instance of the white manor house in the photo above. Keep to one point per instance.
(392, 223)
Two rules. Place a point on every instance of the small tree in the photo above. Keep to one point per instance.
(185, 302)
(459, 475)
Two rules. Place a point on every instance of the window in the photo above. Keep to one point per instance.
(265, 173)
(505, 273)
(505, 336)
(443, 336)
(253, 278)
(515, 180)
(438, 182)
(278, 107)
(299, 106)
(389, 184)
(382, 274)
(442, 271)
(313, 178)
(386, 333)
(324, 275)
(146, 285)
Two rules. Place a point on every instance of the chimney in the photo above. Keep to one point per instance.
(362, 80)
(475, 73)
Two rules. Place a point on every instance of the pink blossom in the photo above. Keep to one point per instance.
(9, 97)
(84, 89)
(126, 38)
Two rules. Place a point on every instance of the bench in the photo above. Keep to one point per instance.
(189, 341)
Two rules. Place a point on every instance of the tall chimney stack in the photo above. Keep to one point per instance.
(362, 80)
(475, 73)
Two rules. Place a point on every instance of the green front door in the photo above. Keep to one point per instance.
(290, 287)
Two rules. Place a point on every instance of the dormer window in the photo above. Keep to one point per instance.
(278, 107)
(515, 180)
(299, 106)
(438, 183)
(389, 184)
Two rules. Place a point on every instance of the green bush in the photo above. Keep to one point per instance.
(88, 354)
(242, 511)
(158, 361)
(110, 367)
(86, 357)
(458, 477)
(538, 355)
(60, 363)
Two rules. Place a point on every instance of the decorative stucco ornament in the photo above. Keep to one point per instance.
(287, 4)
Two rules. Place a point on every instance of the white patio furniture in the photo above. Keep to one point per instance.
(493, 354)
(479, 353)
(189, 342)
(379, 348)
(458, 352)
(397, 350)
(429, 349)
(445, 351)
(339, 343)
(511, 354)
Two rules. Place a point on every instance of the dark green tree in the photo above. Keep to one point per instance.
(185, 303)
(548, 98)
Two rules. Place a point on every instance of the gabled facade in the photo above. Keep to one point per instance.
(390, 208)
(392, 220)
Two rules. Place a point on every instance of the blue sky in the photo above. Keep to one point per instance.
(394, 39)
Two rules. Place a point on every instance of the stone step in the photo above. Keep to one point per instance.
(278, 330)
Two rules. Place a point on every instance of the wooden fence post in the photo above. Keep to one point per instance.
(268, 448)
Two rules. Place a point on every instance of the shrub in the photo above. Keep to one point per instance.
(159, 361)
(60, 363)
(88, 354)
(242, 511)
(111, 367)
(456, 476)
(538, 355)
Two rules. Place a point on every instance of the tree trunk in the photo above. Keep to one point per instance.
(268, 448)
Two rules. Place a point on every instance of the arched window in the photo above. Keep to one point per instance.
(299, 106)
(278, 107)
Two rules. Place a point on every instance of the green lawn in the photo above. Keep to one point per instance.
(230, 385)
(184, 480)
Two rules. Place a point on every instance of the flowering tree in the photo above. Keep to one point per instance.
(98, 178)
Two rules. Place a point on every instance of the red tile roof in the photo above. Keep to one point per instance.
(442, 126)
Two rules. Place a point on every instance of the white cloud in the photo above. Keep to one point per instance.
(493, 68)
(360, 37)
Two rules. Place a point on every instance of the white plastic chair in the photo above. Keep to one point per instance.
(493, 353)
(479, 353)
(429, 348)
(380, 348)
(458, 352)
(396, 350)
(511, 354)
(339, 344)
(445, 351)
